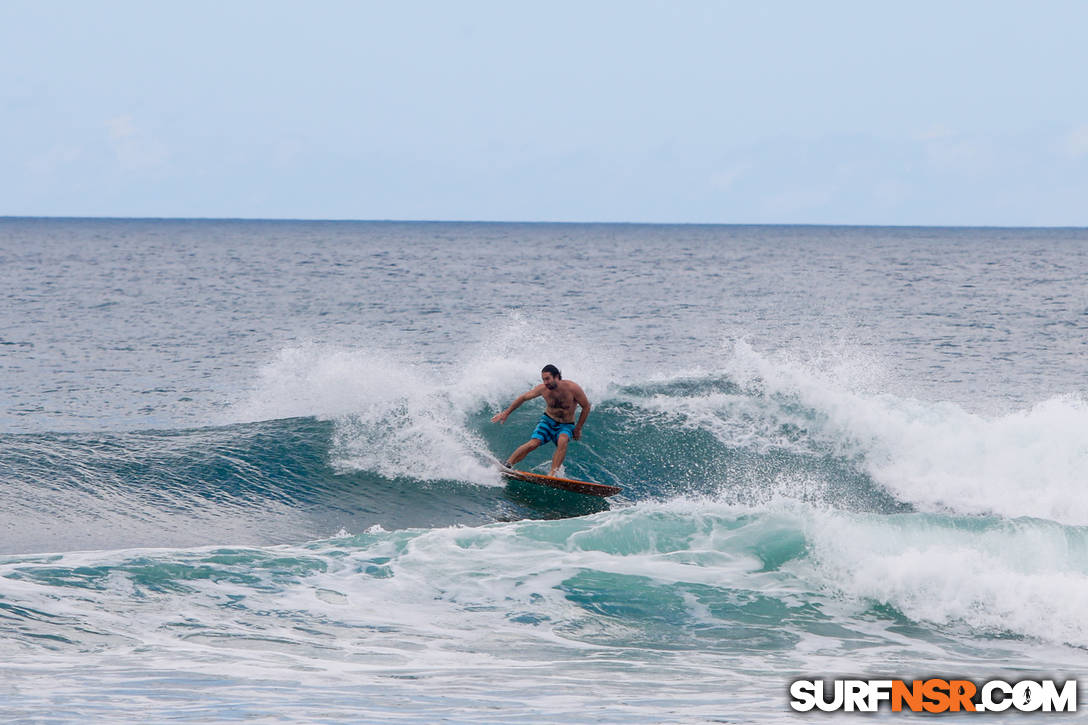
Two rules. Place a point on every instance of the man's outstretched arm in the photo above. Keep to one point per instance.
(534, 393)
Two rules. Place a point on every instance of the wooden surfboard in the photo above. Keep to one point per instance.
(567, 484)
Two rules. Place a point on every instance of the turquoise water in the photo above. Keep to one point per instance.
(248, 470)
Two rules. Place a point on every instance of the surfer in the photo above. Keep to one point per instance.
(557, 424)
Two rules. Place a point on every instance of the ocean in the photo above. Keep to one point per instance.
(247, 468)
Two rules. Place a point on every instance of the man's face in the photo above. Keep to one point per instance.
(550, 382)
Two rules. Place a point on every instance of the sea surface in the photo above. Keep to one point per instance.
(247, 468)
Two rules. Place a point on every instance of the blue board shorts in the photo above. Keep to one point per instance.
(548, 430)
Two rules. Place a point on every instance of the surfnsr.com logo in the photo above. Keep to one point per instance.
(934, 695)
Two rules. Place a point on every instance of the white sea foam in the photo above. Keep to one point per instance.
(408, 419)
(935, 455)
(508, 361)
(386, 610)
(1027, 577)
(390, 417)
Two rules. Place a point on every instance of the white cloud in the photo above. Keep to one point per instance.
(1076, 142)
(724, 179)
(963, 155)
(121, 127)
(134, 149)
(935, 132)
(889, 193)
(56, 157)
(799, 200)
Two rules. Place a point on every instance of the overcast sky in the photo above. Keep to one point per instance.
(961, 113)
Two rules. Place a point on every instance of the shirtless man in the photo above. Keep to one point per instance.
(557, 424)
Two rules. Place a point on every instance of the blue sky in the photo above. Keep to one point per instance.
(959, 113)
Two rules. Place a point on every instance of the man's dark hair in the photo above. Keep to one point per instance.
(553, 370)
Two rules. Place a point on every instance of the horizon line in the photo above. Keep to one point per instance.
(345, 220)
